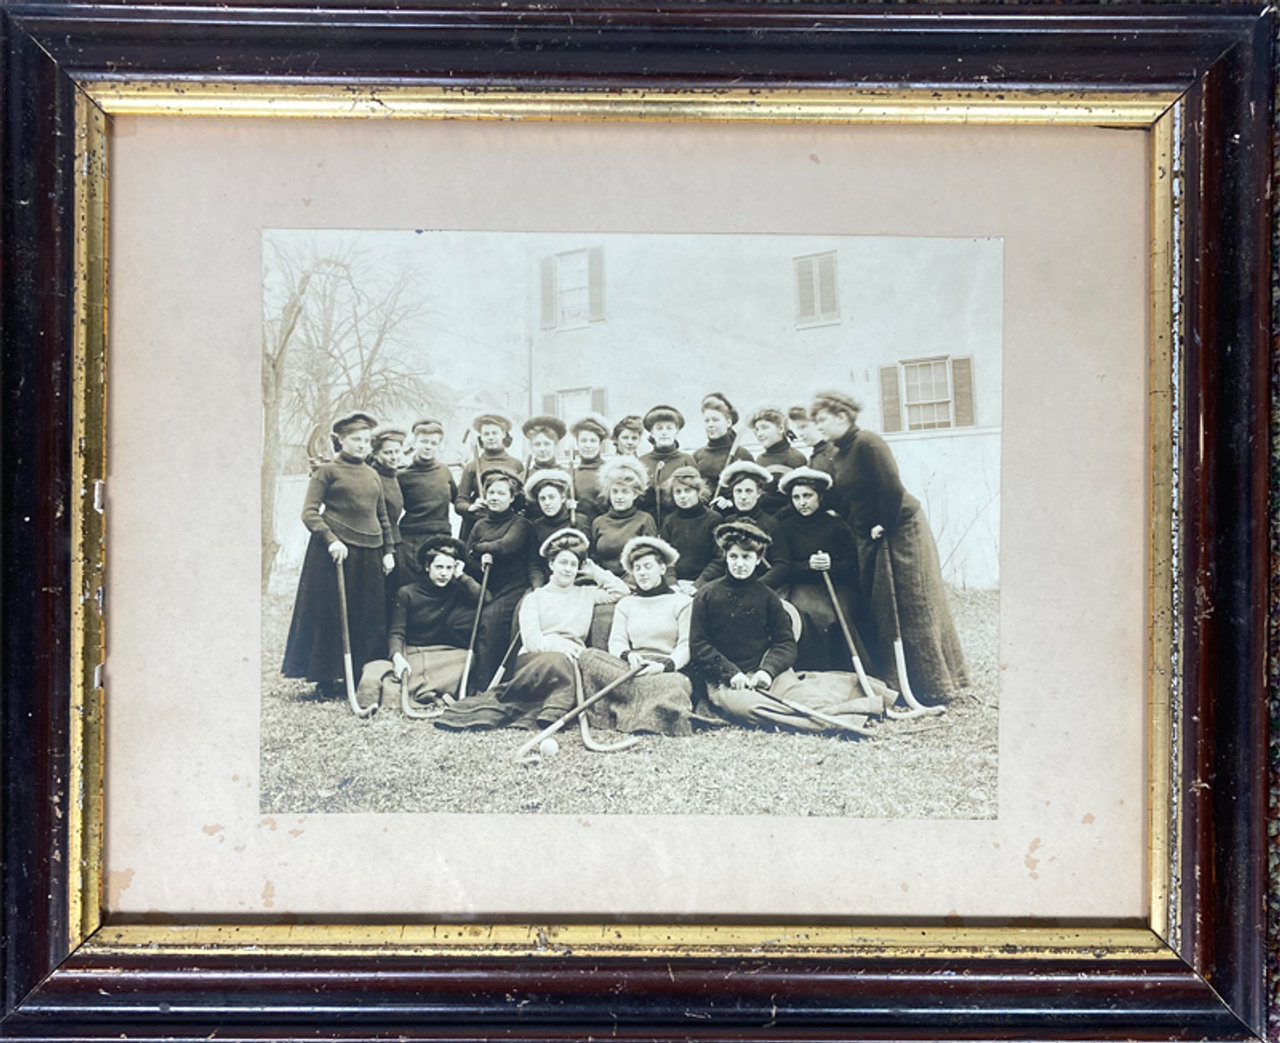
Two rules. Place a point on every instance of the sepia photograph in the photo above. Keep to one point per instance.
(578, 524)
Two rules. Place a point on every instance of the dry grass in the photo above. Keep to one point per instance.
(316, 757)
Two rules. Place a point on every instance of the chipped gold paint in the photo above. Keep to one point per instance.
(105, 97)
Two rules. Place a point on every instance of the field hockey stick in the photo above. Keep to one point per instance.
(347, 666)
(573, 489)
(526, 754)
(475, 626)
(502, 667)
(589, 740)
(918, 709)
(858, 668)
(817, 715)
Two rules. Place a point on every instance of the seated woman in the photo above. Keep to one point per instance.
(745, 482)
(742, 643)
(650, 629)
(548, 492)
(502, 541)
(690, 527)
(808, 543)
(622, 479)
(430, 626)
(554, 623)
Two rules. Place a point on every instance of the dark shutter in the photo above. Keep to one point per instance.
(595, 283)
(806, 305)
(599, 401)
(828, 305)
(890, 403)
(548, 293)
(962, 389)
(549, 405)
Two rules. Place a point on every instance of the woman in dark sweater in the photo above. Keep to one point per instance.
(623, 479)
(388, 452)
(778, 456)
(548, 511)
(346, 511)
(428, 490)
(663, 423)
(888, 525)
(494, 435)
(743, 481)
(589, 434)
(719, 419)
(808, 544)
(690, 527)
(502, 541)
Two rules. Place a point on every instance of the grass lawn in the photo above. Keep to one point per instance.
(316, 757)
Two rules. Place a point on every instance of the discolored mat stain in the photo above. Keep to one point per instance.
(268, 895)
(1031, 862)
(118, 881)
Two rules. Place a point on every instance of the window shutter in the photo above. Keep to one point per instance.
(890, 403)
(599, 402)
(828, 305)
(549, 405)
(548, 293)
(962, 389)
(806, 306)
(595, 283)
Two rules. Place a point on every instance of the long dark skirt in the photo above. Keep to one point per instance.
(314, 648)
(661, 703)
(931, 646)
(541, 690)
(822, 645)
(497, 626)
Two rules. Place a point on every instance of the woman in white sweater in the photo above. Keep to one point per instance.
(555, 620)
(650, 629)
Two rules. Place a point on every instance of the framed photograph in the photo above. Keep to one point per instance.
(364, 367)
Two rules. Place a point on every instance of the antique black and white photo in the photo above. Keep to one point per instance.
(631, 523)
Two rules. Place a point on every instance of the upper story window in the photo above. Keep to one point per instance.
(573, 289)
(817, 302)
(926, 394)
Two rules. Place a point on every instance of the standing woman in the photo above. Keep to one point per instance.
(388, 455)
(548, 513)
(807, 431)
(690, 527)
(543, 434)
(428, 489)
(346, 511)
(554, 623)
(494, 435)
(589, 434)
(663, 423)
(719, 419)
(502, 541)
(890, 529)
(778, 457)
(623, 479)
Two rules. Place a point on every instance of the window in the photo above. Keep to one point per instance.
(573, 289)
(573, 403)
(817, 303)
(926, 394)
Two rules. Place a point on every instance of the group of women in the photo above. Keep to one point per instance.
(687, 575)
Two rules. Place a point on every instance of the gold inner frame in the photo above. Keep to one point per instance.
(1158, 113)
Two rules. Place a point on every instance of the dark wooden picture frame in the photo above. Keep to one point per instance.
(1207, 982)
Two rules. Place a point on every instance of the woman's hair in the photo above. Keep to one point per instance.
(798, 413)
(442, 546)
(383, 435)
(642, 546)
(744, 535)
(547, 476)
(564, 540)
(689, 478)
(836, 403)
(628, 423)
(496, 474)
(720, 404)
(623, 470)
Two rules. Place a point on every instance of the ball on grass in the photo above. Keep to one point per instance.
(548, 747)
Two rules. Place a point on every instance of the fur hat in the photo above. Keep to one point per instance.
(387, 433)
(546, 476)
(494, 473)
(551, 425)
(640, 545)
(720, 404)
(593, 422)
(445, 545)
(836, 402)
(742, 534)
(491, 418)
(626, 470)
(771, 416)
(819, 481)
(658, 414)
(428, 426)
(344, 425)
(741, 469)
(630, 422)
(564, 539)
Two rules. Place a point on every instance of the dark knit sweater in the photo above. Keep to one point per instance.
(355, 509)
(610, 533)
(818, 453)
(544, 527)
(469, 483)
(509, 538)
(781, 454)
(592, 501)
(798, 538)
(391, 492)
(660, 463)
(690, 530)
(424, 613)
(429, 490)
(739, 626)
(866, 489)
(716, 455)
